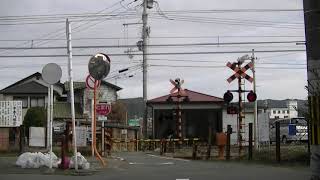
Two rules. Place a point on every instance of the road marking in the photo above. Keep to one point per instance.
(165, 163)
(178, 159)
(182, 179)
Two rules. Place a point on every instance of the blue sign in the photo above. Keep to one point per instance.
(292, 130)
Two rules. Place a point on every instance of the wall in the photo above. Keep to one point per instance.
(229, 119)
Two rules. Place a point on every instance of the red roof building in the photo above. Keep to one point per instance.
(200, 113)
(193, 97)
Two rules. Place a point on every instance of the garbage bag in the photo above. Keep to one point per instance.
(37, 160)
(82, 162)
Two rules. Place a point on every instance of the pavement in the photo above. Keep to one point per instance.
(140, 166)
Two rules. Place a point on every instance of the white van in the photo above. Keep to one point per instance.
(291, 129)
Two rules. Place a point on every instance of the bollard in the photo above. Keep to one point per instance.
(278, 142)
(221, 141)
(22, 139)
(194, 151)
(250, 141)
(229, 132)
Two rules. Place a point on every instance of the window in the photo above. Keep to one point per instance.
(274, 112)
(24, 100)
(276, 117)
(286, 116)
(37, 102)
(283, 111)
(279, 112)
(287, 111)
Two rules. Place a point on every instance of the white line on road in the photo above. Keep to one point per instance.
(165, 163)
(178, 159)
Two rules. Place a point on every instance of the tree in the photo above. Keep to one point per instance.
(118, 112)
(35, 117)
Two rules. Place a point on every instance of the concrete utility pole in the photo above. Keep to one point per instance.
(70, 73)
(255, 112)
(312, 30)
(145, 34)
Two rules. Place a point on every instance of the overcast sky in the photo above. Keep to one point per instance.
(276, 81)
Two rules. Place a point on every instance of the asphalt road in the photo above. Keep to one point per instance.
(141, 166)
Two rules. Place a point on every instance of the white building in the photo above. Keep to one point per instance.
(290, 111)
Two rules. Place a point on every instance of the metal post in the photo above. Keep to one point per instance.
(240, 111)
(179, 122)
(278, 155)
(92, 128)
(145, 34)
(51, 123)
(48, 118)
(102, 138)
(209, 141)
(194, 152)
(229, 131)
(255, 112)
(250, 141)
(70, 73)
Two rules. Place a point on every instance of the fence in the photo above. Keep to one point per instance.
(280, 152)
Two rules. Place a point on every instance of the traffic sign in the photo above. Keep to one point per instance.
(91, 82)
(51, 73)
(240, 72)
(103, 109)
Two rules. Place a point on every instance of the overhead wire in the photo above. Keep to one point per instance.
(62, 29)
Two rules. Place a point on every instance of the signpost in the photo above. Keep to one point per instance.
(103, 109)
(99, 67)
(51, 73)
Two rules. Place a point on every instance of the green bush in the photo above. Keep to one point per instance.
(35, 117)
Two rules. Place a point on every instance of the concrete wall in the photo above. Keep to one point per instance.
(263, 123)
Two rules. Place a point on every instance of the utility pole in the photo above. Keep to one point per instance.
(255, 111)
(70, 73)
(145, 34)
(312, 24)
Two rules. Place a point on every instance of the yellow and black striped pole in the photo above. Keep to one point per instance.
(312, 24)
(314, 125)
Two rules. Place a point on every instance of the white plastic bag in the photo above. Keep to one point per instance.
(37, 160)
(82, 162)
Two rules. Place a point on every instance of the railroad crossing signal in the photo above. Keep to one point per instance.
(177, 86)
(240, 72)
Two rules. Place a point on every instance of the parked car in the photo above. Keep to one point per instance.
(291, 129)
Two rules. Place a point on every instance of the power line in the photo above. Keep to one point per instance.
(210, 67)
(65, 15)
(160, 53)
(158, 45)
(158, 37)
(58, 31)
(194, 20)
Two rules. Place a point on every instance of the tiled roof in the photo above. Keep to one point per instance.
(193, 98)
(27, 88)
(62, 110)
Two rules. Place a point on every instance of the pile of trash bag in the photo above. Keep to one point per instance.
(82, 162)
(37, 160)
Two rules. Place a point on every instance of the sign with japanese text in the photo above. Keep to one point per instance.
(10, 113)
